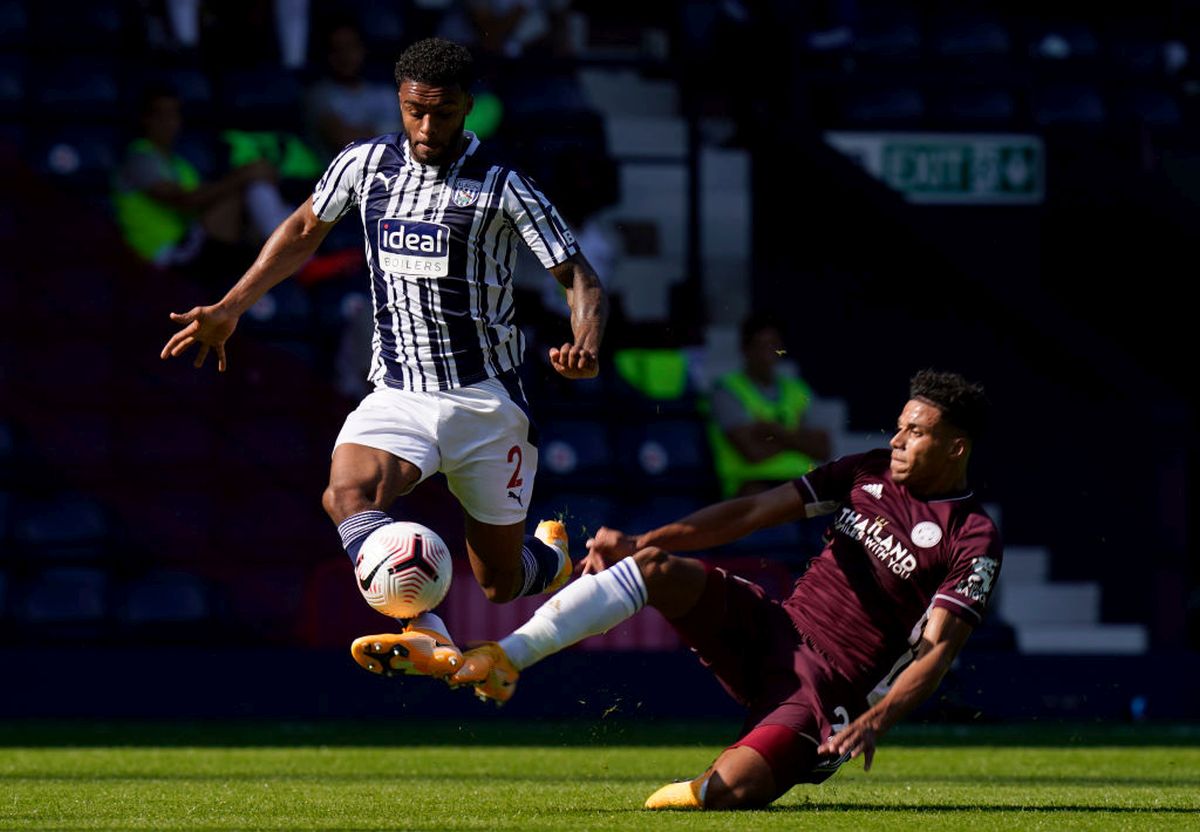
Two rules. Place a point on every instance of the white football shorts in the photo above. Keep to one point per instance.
(479, 436)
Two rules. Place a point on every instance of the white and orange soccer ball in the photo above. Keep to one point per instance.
(403, 569)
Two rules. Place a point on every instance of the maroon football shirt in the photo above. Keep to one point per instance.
(889, 556)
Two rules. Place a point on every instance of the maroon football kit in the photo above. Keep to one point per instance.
(806, 667)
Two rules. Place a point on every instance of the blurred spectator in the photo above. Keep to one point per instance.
(584, 182)
(758, 434)
(170, 216)
(231, 31)
(508, 28)
(344, 105)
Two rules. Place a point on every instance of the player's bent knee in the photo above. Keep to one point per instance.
(653, 562)
(340, 501)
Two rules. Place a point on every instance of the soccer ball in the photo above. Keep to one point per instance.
(403, 569)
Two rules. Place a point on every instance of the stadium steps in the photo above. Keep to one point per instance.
(725, 234)
(1061, 618)
(625, 93)
(1077, 639)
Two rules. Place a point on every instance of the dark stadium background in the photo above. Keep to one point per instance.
(162, 546)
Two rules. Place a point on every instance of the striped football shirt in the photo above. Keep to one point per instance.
(441, 244)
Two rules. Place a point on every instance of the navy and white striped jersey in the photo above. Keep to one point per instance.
(441, 243)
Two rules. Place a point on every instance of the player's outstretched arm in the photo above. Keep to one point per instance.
(286, 250)
(944, 636)
(714, 525)
(589, 315)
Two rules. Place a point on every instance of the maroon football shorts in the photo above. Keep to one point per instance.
(793, 697)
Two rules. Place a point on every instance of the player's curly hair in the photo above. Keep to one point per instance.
(437, 62)
(963, 404)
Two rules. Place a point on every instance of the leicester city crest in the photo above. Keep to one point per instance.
(466, 191)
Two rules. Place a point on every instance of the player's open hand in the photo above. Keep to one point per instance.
(856, 738)
(208, 326)
(606, 548)
(573, 361)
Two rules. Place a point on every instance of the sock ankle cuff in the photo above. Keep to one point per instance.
(631, 583)
(355, 528)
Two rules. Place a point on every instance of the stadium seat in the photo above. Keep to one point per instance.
(88, 366)
(972, 38)
(81, 157)
(165, 598)
(544, 136)
(78, 443)
(8, 445)
(526, 94)
(274, 525)
(171, 518)
(14, 24)
(12, 86)
(94, 25)
(164, 440)
(78, 89)
(656, 510)
(285, 310)
(66, 527)
(266, 603)
(575, 453)
(1067, 41)
(666, 452)
(975, 107)
(583, 512)
(1154, 108)
(65, 596)
(332, 611)
(895, 38)
(1067, 104)
(381, 22)
(1138, 55)
(264, 98)
(883, 106)
(6, 500)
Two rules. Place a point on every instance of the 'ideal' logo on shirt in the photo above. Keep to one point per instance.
(414, 247)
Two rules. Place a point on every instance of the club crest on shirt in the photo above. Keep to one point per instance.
(978, 585)
(466, 192)
(926, 535)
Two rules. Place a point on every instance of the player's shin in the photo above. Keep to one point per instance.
(589, 606)
(545, 559)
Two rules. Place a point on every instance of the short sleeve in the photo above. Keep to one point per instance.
(337, 190)
(824, 488)
(974, 567)
(537, 221)
(143, 170)
(727, 411)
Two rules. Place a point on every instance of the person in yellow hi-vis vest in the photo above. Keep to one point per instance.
(756, 421)
(167, 213)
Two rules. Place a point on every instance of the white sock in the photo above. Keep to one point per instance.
(433, 623)
(592, 605)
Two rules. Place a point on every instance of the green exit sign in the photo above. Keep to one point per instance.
(982, 169)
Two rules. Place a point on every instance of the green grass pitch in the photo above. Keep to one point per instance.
(500, 774)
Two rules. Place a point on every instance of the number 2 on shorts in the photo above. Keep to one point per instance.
(515, 481)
